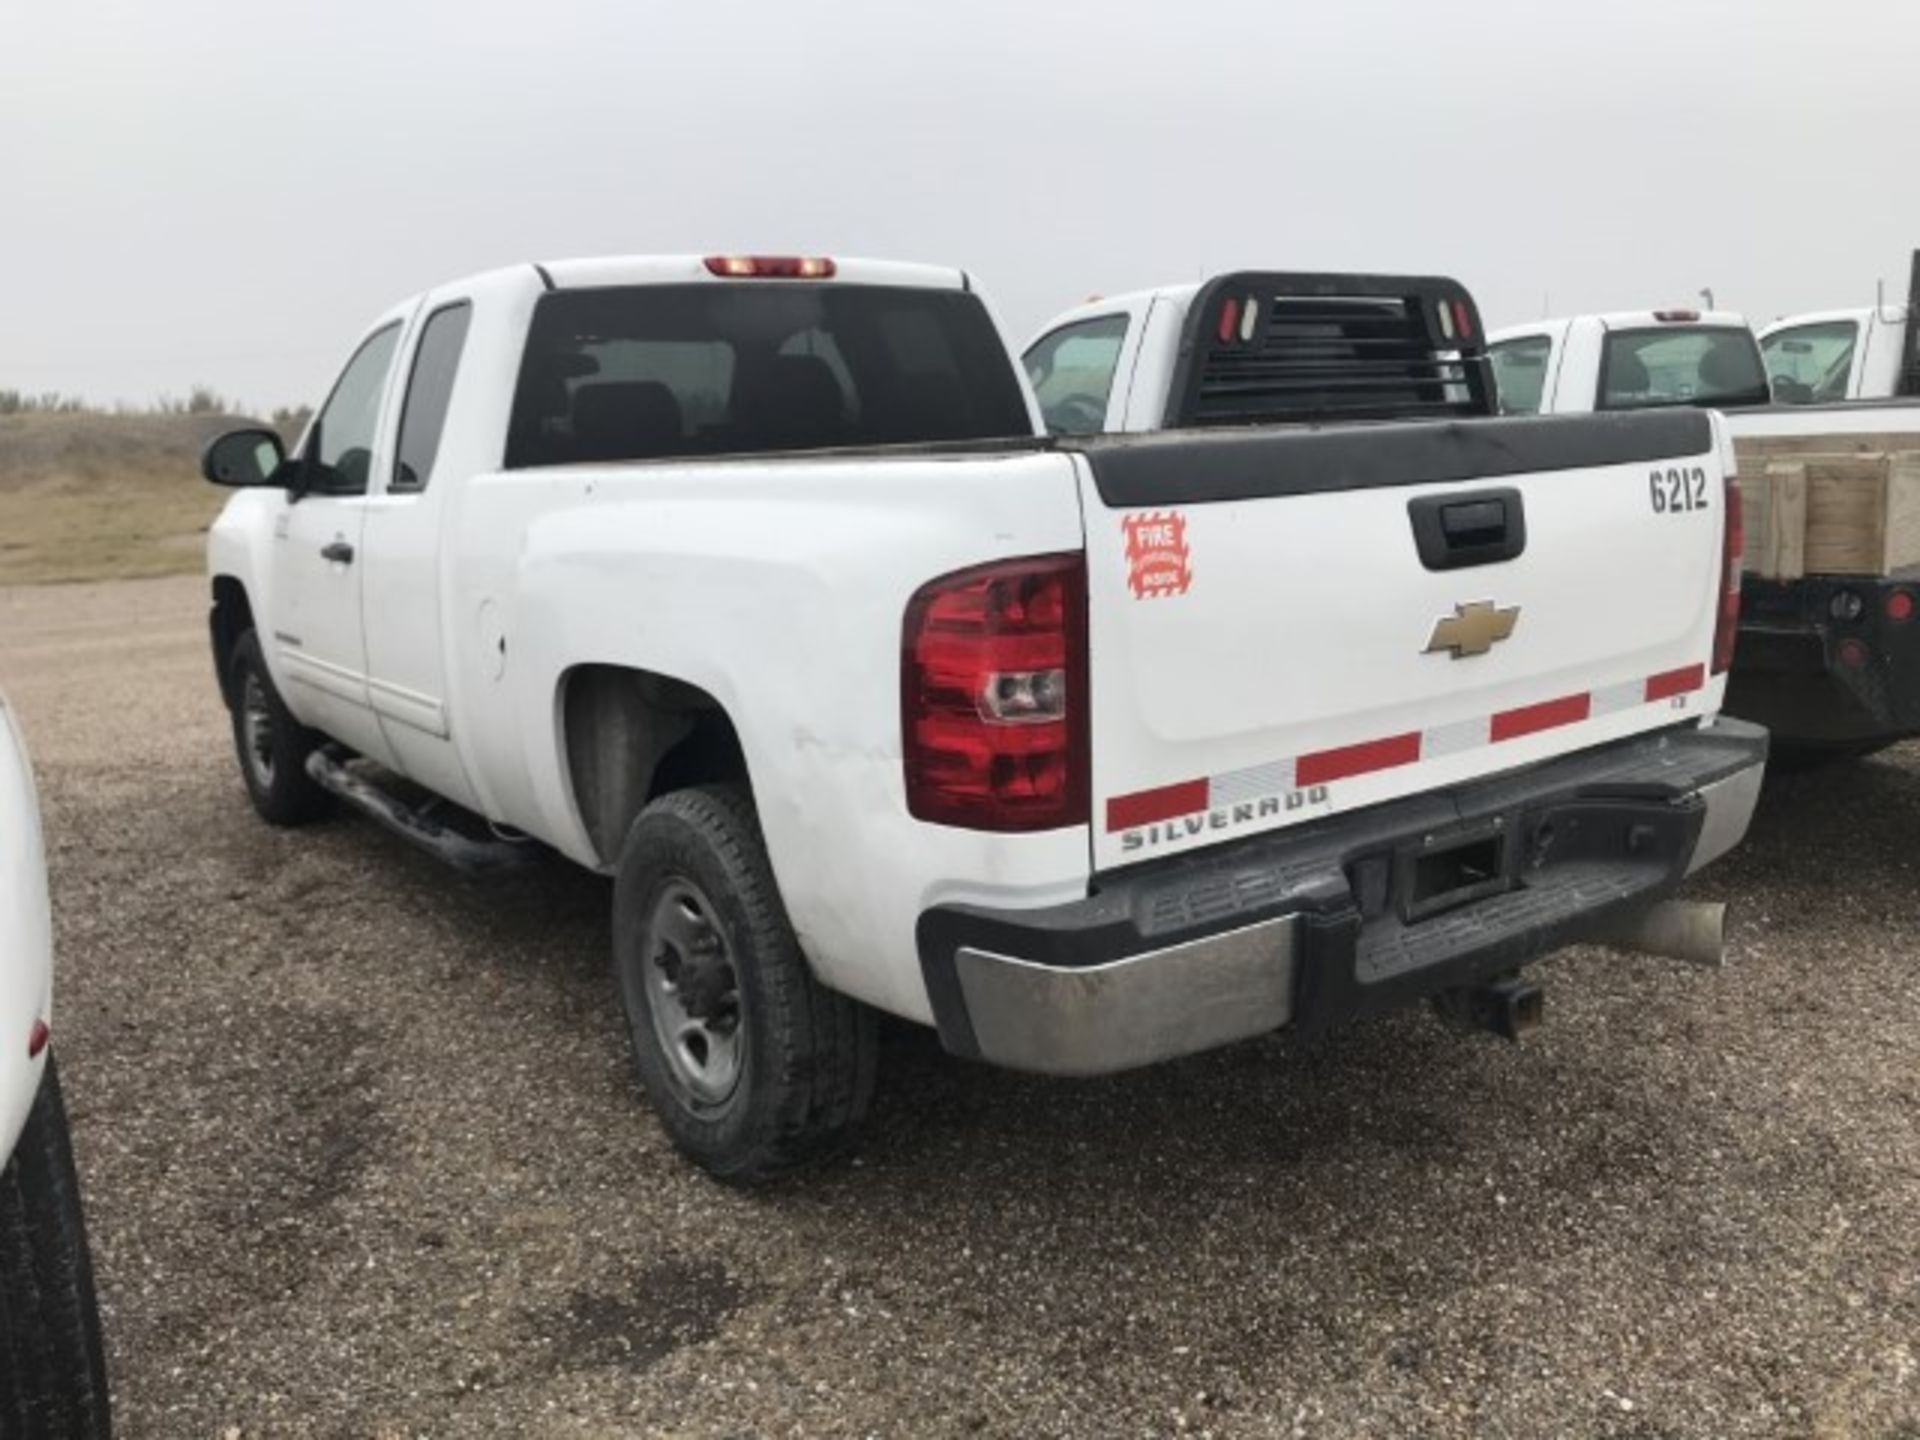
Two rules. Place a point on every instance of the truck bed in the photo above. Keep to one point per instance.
(1830, 489)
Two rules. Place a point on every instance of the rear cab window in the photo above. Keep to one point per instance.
(1707, 365)
(657, 371)
(1071, 370)
(423, 413)
(1520, 373)
(1810, 364)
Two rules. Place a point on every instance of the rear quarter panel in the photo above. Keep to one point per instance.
(779, 588)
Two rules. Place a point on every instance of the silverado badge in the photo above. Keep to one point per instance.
(1472, 629)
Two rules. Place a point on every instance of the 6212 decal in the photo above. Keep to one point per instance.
(1676, 490)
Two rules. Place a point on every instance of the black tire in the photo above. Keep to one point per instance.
(802, 1055)
(271, 746)
(53, 1367)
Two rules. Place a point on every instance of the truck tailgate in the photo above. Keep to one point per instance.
(1271, 640)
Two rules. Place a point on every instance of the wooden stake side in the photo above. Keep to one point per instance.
(1814, 513)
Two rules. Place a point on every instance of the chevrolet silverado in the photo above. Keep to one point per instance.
(750, 582)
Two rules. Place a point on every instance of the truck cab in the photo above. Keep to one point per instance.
(1831, 355)
(1865, 353)
(1629, 360)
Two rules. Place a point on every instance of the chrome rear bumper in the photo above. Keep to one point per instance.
(1188, 955)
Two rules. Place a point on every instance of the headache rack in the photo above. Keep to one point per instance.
(1907, 384)
(1268, 348)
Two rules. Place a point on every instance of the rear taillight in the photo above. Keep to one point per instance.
(994, 696)
(1726, 624)
(1229, 325)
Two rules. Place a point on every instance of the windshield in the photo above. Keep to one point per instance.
(1809, 364)
(651, 371)
(1712, 365)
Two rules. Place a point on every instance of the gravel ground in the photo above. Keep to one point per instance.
(363, 1156)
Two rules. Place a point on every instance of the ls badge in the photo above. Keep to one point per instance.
(1472, 629)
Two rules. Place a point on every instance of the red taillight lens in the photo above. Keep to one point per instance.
(994, 696)
(37, 1037)
(1726, 625)
(1229, 326)
(1899, 606)
(1462, 320)
(771, 267)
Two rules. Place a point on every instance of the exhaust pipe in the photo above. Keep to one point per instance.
(1692, 931)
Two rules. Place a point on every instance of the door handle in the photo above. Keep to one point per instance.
(339, 551)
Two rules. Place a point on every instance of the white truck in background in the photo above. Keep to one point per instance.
(748, 581)
(1827, 658)
(1258, 347)
(1866, 353)
(53, 1378)
(1631, 360)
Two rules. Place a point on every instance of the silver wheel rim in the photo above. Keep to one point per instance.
(256, 729)
(693, 993)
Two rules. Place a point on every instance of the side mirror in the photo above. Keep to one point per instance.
(244, 457)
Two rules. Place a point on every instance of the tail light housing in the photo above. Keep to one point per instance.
(1726, 623)
(994, 696)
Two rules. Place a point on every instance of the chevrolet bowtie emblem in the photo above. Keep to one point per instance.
(1472, 629)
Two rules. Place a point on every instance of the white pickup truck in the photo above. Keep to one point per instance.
(1826, 660)
(1866, 353)
(748, 581)
(1635, 360)
(53, 1378)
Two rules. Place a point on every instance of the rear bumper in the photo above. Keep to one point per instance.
(1815, 679)
(1321, 924)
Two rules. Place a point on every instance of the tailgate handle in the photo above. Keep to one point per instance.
(1453, 532)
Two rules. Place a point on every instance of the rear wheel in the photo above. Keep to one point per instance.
(271, 746)
(754, 1067)
(53, 1372)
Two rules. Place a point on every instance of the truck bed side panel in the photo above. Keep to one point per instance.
(779, 587)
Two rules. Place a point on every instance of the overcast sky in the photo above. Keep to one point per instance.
(228, 190)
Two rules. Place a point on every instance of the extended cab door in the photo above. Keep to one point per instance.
(318, 652)
(404, 620)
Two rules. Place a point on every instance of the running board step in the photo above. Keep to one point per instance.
(412, 823)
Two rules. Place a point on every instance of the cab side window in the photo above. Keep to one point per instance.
(340, 444)
(423, 414)
(1520, 373)
(1810, 364)
(1071, 371)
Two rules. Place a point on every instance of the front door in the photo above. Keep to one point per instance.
(317, 638)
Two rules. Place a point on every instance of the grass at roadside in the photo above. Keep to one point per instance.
(103, 497)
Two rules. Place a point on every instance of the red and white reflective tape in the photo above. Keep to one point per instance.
(1321, 767)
